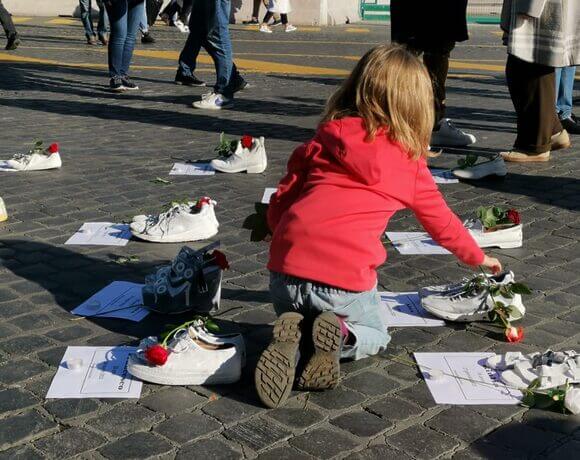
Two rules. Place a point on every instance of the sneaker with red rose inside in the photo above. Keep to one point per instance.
(37, 159)
(249, 156)
(190, 221)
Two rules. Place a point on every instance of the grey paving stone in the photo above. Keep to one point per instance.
(483, 450)
(524, 438)
(552, 421)
(124, 419)
(362, 424)
(419, 394)
(567, 451)
(379, 452)
(136, 446)
(21, 453)
(229, 411)
(421, 442)
(463, 423)
(371, 383)
(323, 443)
(392, 408)
(69, 443)
(69, 334)
(65, 409)
(210, 449)
(295, 417)
(283, 453)
(187, 427)
(26, 426)
(25, 345)
(172, 400)
(13, 399)
(338, 398)
(257, 433)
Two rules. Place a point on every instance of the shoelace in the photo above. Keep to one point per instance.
(22, 157)
(163, 220)
(453, 127)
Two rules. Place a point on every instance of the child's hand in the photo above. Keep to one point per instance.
(492, 264)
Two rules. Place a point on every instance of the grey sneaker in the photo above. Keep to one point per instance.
(453, 288)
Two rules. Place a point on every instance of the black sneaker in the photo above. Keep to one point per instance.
(13, 42)
(116, 85)
(188, 80)
(571, 124)
(277, 22)
(239, 85)
(128, 84)
(147, 38)
(251, 21)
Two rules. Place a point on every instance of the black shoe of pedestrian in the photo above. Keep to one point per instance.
(128, 84)
(571, 124)
(277, 22)
(251, 21)
(239, 85)
(116, 85)
(147, 38)
(188, 80)
(92, 41)
(13, 42)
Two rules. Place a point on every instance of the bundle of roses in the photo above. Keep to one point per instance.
(227, 146)
(494, 217)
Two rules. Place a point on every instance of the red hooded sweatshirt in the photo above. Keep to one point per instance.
(333, 206)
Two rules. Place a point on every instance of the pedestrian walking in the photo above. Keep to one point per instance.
(86, 7)
(282, 7)
(146, 37)
(256, 13)
(176, 14)
(124, 16)
(564, 98)
(209, 29)
(433, 28)
(13, 40)
(541, 35)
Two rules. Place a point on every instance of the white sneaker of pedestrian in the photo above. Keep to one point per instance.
(449, 135)
(265, 29)
(253, 160)
(35, 160)
(290, 28)
(501, 237)
(181, 26)
(492, 167)
(183, 222)
(213, 101)
(191, 361)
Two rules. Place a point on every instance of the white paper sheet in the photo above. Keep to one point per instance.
(481, 387)
(192, 169)
(415, 243)
(120, 299)
(101, 234)
(268, 192)
(443, 176)
(403, 309)
(103, 374)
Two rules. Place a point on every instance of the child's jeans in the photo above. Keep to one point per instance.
(359, 310)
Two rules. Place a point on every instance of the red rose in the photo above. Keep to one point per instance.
(53, 148)
(156, 354)
(247, 141)
(514, 216)
(220, 260)
(202, 201)
(514, 334)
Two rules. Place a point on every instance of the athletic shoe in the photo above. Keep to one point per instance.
(91, 40)
(213, 101)
(103, 39)
(3, 212)
(187, 80)
(449, 135)
(147, 39)
(322, 371)
(128, 84)
(491, 167)
(192, 221)
(35, 160)
(276, 23)
(181, 26)
(514, 156)
(265, 29)
(191, 283)
(13, 42)
(192, 360)
(560, 140)
(253, 160)
(239, 85)
(253, 21)
(290, 28)
(276, 367)
(504, 237)
(571, 124)
(237, 340)
(116, 85)
(452, 288)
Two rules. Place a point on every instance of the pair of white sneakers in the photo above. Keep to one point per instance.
(195, 357)
(37, 159)
(190, 221)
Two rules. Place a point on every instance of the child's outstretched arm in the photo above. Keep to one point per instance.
(291, 184)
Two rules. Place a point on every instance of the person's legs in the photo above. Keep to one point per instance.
(269, 15)
(195, 39)
(117, 12)
(564, 90)
(134, 17)
(103, 25)
(436, 59)
(284, 18)
(143, 24)
(6, 21)
(85, 7)
(219, 46)
(186, 11)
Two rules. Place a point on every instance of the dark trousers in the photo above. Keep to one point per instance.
(6, 21)
(532, 88)
(269, 15)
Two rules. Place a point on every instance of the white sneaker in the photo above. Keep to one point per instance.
(290, 28)
(3, 212)
(192, 361)
(448, 134)
(493, 167)
(504, 237)
(35, 160)
(452, 288)
(181, 26)
(265, 29)
(213, 101)
(253, 160)
(236, 340)
(183, 222)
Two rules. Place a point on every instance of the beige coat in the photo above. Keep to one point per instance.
(543, 31)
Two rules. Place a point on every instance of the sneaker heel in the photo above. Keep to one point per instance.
(256, 169)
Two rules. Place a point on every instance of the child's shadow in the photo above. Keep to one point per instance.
(258, 223)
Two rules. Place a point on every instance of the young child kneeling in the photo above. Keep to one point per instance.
(366, 162)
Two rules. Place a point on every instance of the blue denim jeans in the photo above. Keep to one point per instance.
(86, 17)
(125, 16)
(144, 22)
(361, 311)
(209, 28)
(564, 91)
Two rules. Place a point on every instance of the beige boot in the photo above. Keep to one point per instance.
(521, 157)
(561, 140)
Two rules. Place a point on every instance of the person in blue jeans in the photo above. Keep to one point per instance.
(564, 91)
(209, 28)
(124, 16)
(87, 20)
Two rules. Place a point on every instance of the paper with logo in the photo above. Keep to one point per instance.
(192, 169)
(268, 192)
(120, 299)
(415, 243)
(462, 379)
(443, 176)
(94, 372)
(403, 309)
(101, 234)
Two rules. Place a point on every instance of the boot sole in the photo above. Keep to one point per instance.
(323, 369)
(276, 367)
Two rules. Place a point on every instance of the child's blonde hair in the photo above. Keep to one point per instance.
(389, 88)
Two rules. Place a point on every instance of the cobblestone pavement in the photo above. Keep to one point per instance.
(114, 146)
